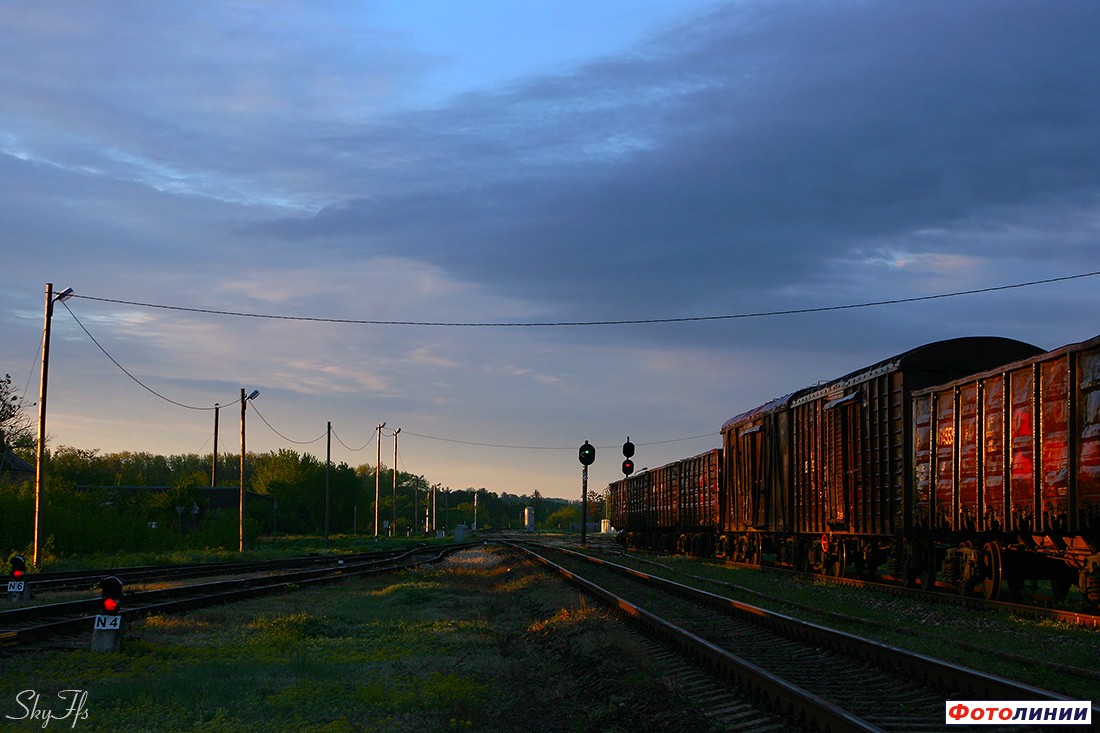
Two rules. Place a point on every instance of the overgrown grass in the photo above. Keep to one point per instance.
(489, 643)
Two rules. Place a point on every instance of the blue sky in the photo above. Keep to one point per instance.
(502, 162)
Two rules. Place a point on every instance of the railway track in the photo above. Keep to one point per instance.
(80, 580)
(820, 677)
(23, 626)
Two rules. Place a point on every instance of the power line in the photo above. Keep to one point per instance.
(272, 428)
(353, 450)
(125, 370)
(624, 322)
(318, 438)
(547, 447)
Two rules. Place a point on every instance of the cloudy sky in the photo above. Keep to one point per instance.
(345, 164)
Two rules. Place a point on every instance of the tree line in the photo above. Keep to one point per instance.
(139, 501)
(135, 501)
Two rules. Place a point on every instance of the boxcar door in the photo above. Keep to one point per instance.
(841, 436)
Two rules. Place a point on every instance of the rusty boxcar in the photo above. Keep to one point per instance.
(1006, 474)
(671, 508)
(819, 476)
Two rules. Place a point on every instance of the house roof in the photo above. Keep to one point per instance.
(9, 462)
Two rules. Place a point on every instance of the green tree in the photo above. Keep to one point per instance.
(15, 425)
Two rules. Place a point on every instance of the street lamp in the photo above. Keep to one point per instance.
(41, 451)
(240, 524)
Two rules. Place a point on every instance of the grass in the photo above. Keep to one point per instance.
(485, 643)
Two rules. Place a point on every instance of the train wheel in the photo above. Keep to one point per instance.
(991, 570)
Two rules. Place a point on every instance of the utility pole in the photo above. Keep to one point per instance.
(41, 451)
(240, 520)
(214, 463)
(393, 523)
(377, 468)
(328, 465)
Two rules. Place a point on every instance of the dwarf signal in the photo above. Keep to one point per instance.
(107, 632)
(18, 587)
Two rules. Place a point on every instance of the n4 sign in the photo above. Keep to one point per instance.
(104, 621)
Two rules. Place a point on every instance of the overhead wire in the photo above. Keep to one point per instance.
(621, 322)
(127, 372)
(501, 324)
(353, 450)
(289, 440)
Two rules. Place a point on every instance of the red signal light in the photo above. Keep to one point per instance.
(17, 573)
(111, 597)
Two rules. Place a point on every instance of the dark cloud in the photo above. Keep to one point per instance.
(760, 149)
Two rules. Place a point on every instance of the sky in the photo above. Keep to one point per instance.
(332, 168)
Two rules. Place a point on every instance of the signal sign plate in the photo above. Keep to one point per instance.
(15, 586)
(103, 621)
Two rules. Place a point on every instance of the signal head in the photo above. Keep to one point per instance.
(628, 467)
(587, 454)
(628, 448)
(111, 597)
(18, 567)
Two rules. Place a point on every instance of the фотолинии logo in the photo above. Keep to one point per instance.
(1018, 712)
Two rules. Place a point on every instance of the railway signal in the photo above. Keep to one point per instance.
(111, 596)
(18, 589)
(587, 454)
(628, 451)
(107, 632)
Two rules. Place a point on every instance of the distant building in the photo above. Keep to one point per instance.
(13, 469)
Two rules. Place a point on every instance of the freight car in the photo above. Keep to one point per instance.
(865, 470)
(1006, 483)
(820, 477)
(673, 508)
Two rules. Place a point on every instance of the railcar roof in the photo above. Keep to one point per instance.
(965, 355)
(1042, 356)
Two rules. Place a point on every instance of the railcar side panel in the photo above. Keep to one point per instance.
(811, 499)
(969, 503)
(993, 453)
(878, 498)
(1087, 517)
(1054, 437)
(699, 488)
(756, 478)
(1022, 450)
(666, 497)
(944, 457)
(923, 482)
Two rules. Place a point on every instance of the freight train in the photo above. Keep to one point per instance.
(972, 462)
